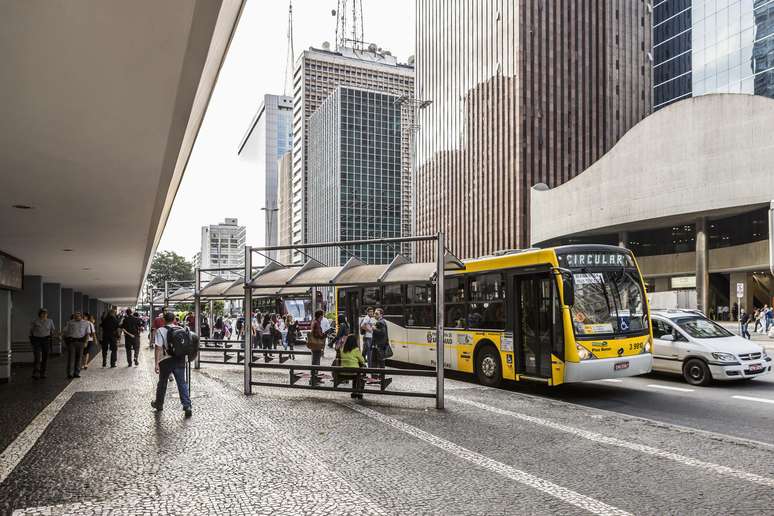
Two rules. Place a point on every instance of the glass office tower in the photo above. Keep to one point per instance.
(712, 46)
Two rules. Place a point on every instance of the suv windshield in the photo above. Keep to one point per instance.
(608, 302)
(701, 328)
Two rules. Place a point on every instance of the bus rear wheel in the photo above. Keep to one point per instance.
(488, 367)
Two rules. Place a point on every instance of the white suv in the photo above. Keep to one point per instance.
(688, 343)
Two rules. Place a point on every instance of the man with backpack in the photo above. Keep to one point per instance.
(173, 345)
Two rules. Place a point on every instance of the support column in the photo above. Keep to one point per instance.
(248, 311)
(85, 303)
(440, 316)
(5, 336)
(52, 301)
(77, 302)
(26, 304)
(68, 305)
(702, 265)
(623, 239)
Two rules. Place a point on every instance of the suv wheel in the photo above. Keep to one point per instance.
(696, 372)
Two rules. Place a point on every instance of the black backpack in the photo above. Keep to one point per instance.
(180, 342)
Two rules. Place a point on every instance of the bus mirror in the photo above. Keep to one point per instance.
(568, 288)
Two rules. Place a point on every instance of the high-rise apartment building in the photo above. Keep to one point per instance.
(712, 46)
(522, 93)
(223, 245)
(285, 203)
(354, 192)
(317, 74)
(269, 136)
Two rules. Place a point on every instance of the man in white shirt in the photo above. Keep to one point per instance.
(76, 333)
(170, 365)
(41, 332)
(367, 331)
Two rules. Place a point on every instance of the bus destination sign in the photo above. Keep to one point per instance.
(11, 272)
(595, 259)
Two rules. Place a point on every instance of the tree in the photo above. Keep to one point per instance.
(168, 266)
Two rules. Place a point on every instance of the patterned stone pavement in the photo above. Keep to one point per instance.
(99, 449)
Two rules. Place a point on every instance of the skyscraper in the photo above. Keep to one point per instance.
(522, 93)
(723, 46)
(354, 192)
(267, 139)
(318, 73)
(223, 247)
(285, 204)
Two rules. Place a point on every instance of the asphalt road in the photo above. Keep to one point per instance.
(739, 409)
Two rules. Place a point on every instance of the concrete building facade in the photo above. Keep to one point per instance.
(269, 136)
(223, 246)
(317, 74)
(285, 204)
(702, 47)
(354, 191)
(689, 190)
(522, 93)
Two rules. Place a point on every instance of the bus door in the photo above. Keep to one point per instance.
(353, 309)
(534, 327)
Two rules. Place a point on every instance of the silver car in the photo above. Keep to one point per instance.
(687, 343)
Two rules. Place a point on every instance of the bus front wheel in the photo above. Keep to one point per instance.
(488, 367)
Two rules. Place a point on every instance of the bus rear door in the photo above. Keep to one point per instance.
(533, 328)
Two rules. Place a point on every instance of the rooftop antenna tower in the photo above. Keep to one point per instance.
(290, 58)
(349, 16)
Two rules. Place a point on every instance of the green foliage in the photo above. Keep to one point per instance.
(332, 316)
(169, 266)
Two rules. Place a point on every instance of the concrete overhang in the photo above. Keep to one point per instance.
(711, 156)
(100, 105)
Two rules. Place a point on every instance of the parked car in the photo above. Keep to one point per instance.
(688, 343)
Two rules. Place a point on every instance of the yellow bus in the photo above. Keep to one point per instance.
(555, 315)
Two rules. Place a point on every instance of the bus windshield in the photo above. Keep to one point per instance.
(608, 303)
(298, 308)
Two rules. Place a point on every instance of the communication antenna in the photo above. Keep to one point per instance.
(290, 57)
(343, 11)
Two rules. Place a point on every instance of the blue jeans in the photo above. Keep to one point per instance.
(745, 332)
(367, 349)
(167, 367)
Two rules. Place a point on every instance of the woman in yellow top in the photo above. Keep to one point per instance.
(352, 357)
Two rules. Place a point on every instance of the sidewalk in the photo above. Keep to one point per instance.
(98, 448)
(760, 338)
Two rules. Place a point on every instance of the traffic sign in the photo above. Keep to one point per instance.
(740, 290)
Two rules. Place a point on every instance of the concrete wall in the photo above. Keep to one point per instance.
(745, 257)
(77, 301)
(698, 156)
(85, 303)
(26, 304)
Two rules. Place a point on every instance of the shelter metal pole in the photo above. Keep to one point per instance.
(197, 309)
(439, 322)
(248, 311)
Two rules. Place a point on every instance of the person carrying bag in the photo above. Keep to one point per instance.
(316, 344)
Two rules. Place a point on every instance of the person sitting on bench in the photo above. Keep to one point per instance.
(352, 357)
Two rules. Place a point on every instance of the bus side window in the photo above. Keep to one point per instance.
(392, 301)
(456, 302)
(487, 302)
(420, 306)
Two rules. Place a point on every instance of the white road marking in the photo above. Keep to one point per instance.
(642, 448)
(611, 380)
(16, 451)
(751, 398)
(670, 388)
(567, 495)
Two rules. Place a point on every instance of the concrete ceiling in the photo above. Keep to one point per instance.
(100, 104)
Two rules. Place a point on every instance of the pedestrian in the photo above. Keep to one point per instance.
(90, 348)
(744, 320)
(240, 327)
(327, 329)
(42, 333)
(293, 334)
(190, 321)
(758, 323)
(170, 362)
(352, 357)
(316, 344)
(110, 335)
(381, 341)
(130, 326)
(158, 322)
(218, 328)
(769, 312)
(276, 333)
(367, 332)
(342, 332)
(75, 332)
(267, 338)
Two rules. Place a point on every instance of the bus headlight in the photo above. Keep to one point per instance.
(583, 353)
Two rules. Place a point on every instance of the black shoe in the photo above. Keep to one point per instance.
(188, 412)
(113, 365)
(158, 408)
(76, 376)
(104, 364)
(136, 362)
(129, 365)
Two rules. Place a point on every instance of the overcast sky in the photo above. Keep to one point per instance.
(217, 184)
